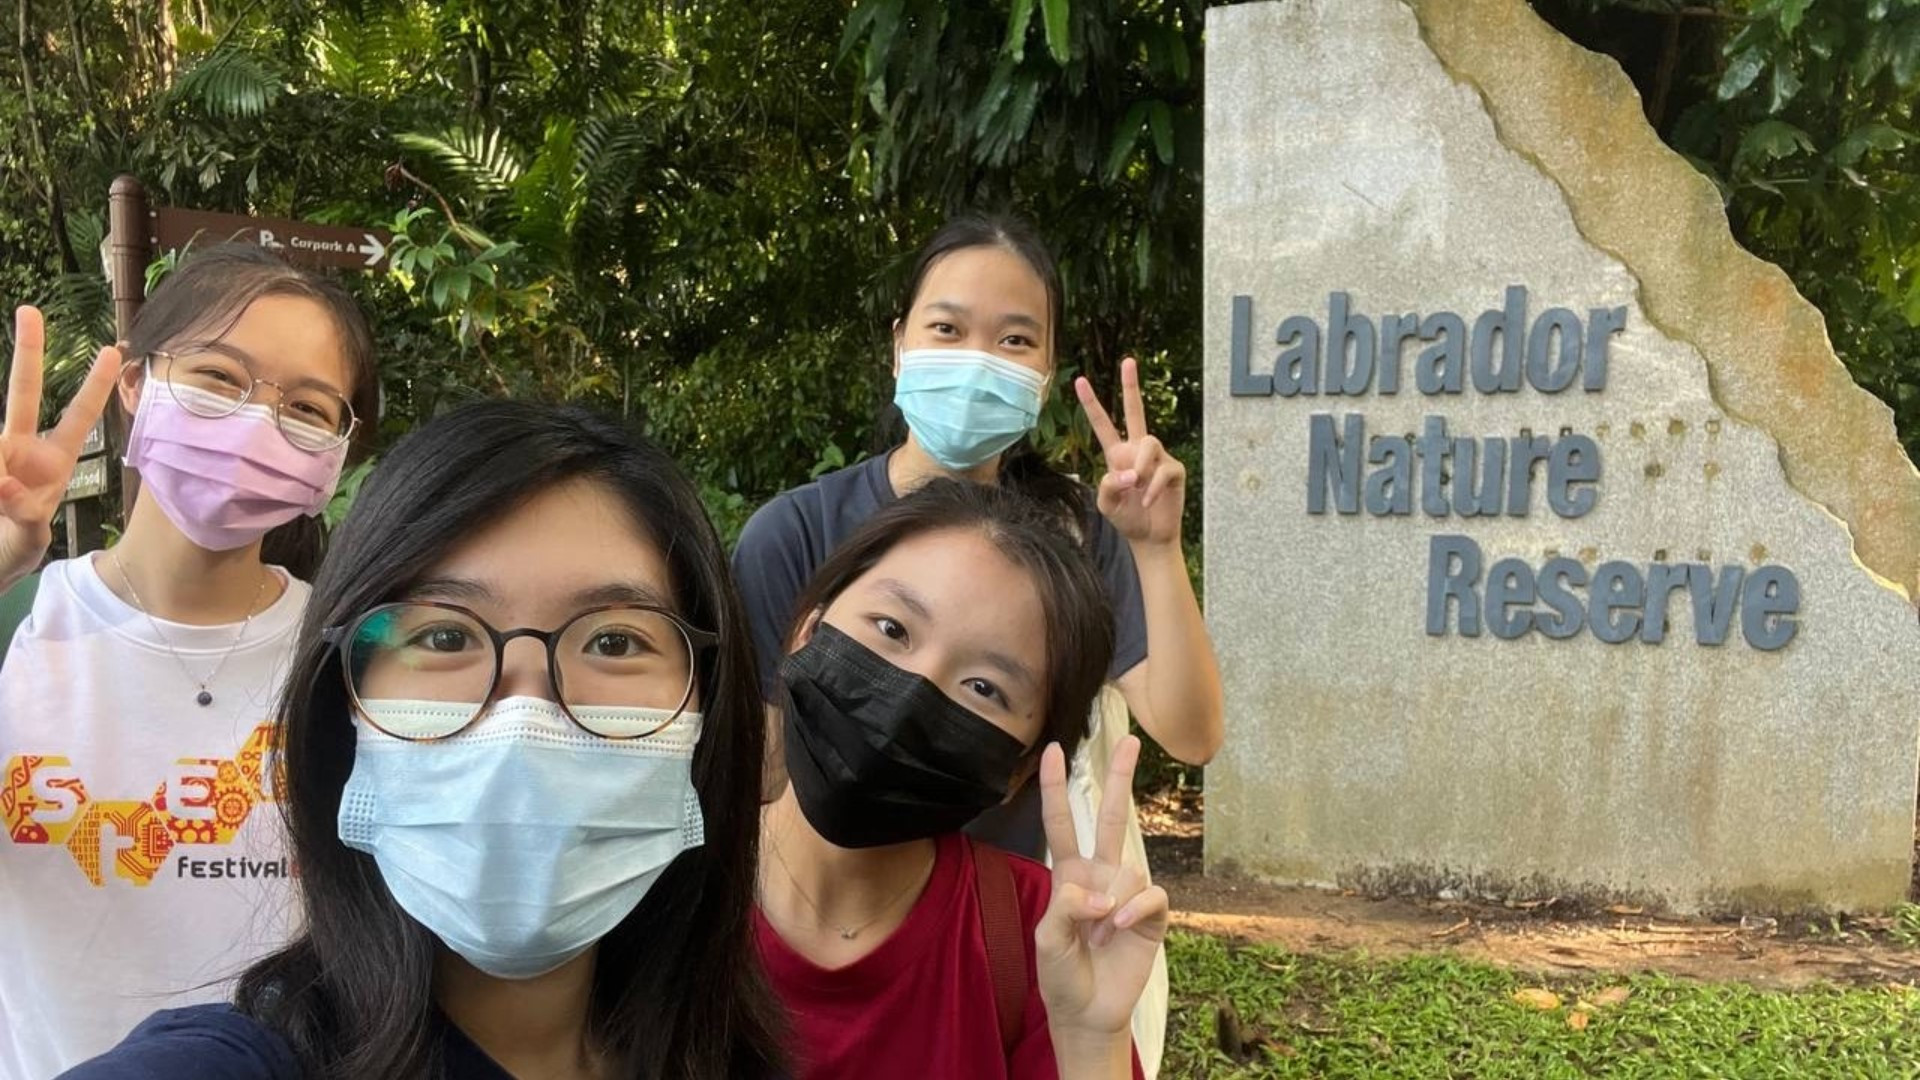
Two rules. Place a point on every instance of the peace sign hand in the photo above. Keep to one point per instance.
(35, 467)
(1095, 945)
(1144, 491)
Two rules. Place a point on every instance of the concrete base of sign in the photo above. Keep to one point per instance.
(1425, 159)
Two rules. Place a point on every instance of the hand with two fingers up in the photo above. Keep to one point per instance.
(1144, 491)
(1096, 943)
(35, 466)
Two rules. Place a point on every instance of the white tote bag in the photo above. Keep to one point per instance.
(1085, 782)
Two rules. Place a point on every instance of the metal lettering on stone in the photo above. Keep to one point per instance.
(1505, 593)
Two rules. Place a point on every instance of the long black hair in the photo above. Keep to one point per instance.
(201, 300)
(1022, 467)
(676, 991)
(1073, 597)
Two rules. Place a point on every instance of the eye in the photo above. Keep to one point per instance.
(1019, 341)
(616, 644)
(215, 374)
(890, 628)
(946, 329)
(445, 638)
(985, 689)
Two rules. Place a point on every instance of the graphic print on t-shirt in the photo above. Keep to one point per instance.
(203, 802)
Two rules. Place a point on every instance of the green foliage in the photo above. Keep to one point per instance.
(1802, 111)
(1438, 1016)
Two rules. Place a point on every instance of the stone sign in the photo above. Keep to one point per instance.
(1549, 548)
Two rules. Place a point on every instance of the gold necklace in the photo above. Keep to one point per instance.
(205, 697)
(848, 933)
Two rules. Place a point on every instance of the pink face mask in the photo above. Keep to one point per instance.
(225, 482)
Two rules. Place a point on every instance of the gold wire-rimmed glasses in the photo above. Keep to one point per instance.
(215, 383)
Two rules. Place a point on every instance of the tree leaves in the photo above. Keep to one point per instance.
(1770, 140)
(229, 83)
(1876, 135)
(1742, 70)
(1019, 17)
(1056, 12)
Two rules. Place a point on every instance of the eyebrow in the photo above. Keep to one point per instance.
(1015, 319)
(1009, 667)
(448, 588)
(638, 593)
(618, 592)
(904, 593)
(253, 365)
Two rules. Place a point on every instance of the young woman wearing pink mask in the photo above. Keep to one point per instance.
(142, 862)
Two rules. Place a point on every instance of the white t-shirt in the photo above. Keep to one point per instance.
(143, 863)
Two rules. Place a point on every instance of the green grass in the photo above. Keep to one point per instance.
(1430, 1017)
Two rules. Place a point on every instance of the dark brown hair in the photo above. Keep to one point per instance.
(1073, 598)
(201, 300)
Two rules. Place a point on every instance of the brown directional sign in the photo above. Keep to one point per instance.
(302, 243)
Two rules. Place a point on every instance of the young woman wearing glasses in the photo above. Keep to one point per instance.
(141, 862)
(522, 740)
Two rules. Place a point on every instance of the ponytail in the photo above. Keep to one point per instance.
(298, 546)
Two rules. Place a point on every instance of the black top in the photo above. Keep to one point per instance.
(215, 1042)
(786, 541)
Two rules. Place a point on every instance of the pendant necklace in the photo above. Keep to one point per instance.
(205, 697)
(847, 933)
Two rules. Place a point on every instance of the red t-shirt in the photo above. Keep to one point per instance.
(921, 1004)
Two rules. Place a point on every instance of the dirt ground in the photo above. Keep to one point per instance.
(1544, 935)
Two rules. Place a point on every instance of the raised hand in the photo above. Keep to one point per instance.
(1096, 943)
(35, 466)
(1145, 488)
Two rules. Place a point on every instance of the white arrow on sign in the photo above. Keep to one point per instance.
(373, 249)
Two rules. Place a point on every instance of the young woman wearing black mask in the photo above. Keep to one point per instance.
(898, 946)
(522, 742)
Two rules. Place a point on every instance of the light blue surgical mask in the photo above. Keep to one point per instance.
(523, 840)
(966, 407)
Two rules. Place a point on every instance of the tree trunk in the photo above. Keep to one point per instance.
(56, 208)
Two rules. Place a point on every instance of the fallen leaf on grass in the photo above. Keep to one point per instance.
(1577, 1020)
(1536, 998)
(1611, 996)
(1452, 930)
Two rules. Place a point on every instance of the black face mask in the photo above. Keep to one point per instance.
(878, 755)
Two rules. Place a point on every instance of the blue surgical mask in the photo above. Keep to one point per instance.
(523, 840)
(965, 407)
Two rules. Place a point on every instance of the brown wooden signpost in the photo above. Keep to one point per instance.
(135, 234)
(302, 243)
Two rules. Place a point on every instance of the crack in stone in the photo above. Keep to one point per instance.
(1490, 106)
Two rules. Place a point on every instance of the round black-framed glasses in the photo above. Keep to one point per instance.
(424, 670)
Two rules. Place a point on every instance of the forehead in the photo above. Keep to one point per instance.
(561, 542)
(975, 595)
(291, 338)
(985, 277)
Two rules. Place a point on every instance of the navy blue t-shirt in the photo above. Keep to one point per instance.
(216, 1042)
(786, 541)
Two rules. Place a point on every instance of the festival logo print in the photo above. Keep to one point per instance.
(203, 803)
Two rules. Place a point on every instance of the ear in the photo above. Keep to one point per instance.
(133, 377)
(899, 335)
(805, 634)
